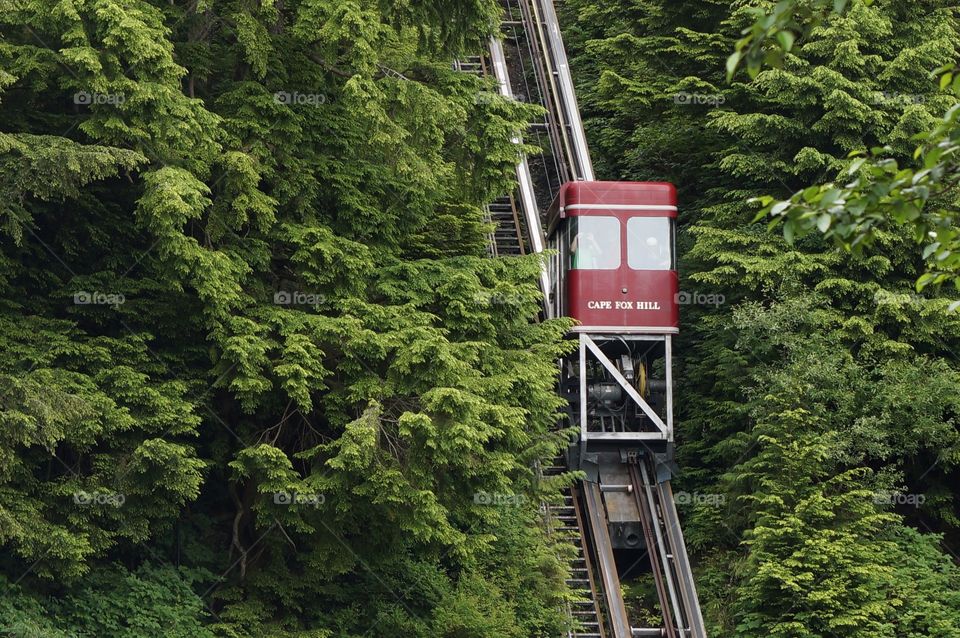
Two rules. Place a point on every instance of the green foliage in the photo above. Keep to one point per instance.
(880, 193)
(249, 324)
(114, 603)
(816, 566)
(123, 604)
(772, 35)
(823, 381)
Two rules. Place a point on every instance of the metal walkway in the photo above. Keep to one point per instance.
(508, 237)
(587, 611)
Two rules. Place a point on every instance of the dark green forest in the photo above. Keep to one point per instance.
(821, 398)
(258, 365)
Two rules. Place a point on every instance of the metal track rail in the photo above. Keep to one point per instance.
(616, 610)
(672, 572)
(561, 87)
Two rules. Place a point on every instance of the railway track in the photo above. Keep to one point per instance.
(636, 487)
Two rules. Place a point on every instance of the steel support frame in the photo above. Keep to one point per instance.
(664, 428)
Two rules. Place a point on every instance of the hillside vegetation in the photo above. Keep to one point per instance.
(819, 401)
(260, 377)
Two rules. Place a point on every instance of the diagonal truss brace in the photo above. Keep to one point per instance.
(588, 342)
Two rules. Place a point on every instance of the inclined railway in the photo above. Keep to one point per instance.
(613, 268)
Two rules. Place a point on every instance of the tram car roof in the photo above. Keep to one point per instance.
(654, 199)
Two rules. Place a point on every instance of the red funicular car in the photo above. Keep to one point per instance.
(615, 270)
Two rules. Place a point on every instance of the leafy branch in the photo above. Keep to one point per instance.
(781, 27)
(880, 194)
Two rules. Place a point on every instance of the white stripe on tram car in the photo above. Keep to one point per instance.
(619, 207)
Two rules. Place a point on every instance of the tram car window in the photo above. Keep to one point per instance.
(650, 243)
(594, 243)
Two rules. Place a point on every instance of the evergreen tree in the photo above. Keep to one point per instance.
(251, 326)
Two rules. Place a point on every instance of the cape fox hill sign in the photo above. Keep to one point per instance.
(623, 305)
